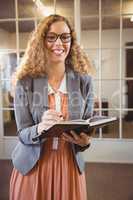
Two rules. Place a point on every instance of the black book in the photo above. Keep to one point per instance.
(78, 125)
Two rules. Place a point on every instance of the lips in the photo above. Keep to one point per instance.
(58, 52)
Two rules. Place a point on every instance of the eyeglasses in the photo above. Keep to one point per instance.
(52, 37)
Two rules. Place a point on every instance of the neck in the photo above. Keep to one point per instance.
(56, 72)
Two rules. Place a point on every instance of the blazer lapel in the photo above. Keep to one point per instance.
(75, 100)
(40, 95)
(74, 95)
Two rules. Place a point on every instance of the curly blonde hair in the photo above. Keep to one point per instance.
(34, 60)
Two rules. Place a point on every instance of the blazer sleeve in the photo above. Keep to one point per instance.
(26, 127)
(86, 86)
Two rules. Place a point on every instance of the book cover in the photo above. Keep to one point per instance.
(78, 125)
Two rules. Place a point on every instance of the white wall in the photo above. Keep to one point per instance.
(114, 151)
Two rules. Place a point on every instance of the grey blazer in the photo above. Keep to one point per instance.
(31, 100)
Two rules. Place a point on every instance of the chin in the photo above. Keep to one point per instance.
(58, 60)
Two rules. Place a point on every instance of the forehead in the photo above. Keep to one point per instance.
(59, 27)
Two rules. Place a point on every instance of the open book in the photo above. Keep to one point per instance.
(78, 125)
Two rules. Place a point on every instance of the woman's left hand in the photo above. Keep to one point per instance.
(82, 139)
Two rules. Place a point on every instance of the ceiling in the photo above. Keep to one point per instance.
(110, 10)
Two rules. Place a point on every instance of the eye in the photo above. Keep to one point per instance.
(51, 37)
(66, 36)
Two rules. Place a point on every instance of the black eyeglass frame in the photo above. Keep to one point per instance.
(59, 36)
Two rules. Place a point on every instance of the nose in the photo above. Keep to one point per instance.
(58, 41)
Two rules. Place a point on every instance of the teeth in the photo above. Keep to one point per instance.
(58, 51)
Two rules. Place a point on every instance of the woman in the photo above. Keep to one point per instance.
(52, 83)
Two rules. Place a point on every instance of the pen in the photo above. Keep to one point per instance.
(47, 107)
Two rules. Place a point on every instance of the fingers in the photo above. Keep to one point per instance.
(85, 138)
(72, 137)
(82, 139)
(49, 118)
(52, 112)
(75, 136)
(52, 115)
(67, 137)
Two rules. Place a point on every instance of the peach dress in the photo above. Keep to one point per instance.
(55, 176)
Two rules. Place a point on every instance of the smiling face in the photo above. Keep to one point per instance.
(58, 42)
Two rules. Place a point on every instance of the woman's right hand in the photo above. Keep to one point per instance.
(49, 118)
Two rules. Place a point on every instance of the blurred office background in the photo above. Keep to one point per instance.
(105, 31)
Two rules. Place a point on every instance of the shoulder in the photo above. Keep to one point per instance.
(28, 83)
(85, 78)
(25, 83)
(24, 80)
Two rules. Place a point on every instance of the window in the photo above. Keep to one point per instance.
(106, 36)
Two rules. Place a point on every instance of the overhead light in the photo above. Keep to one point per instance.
(44, 10)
